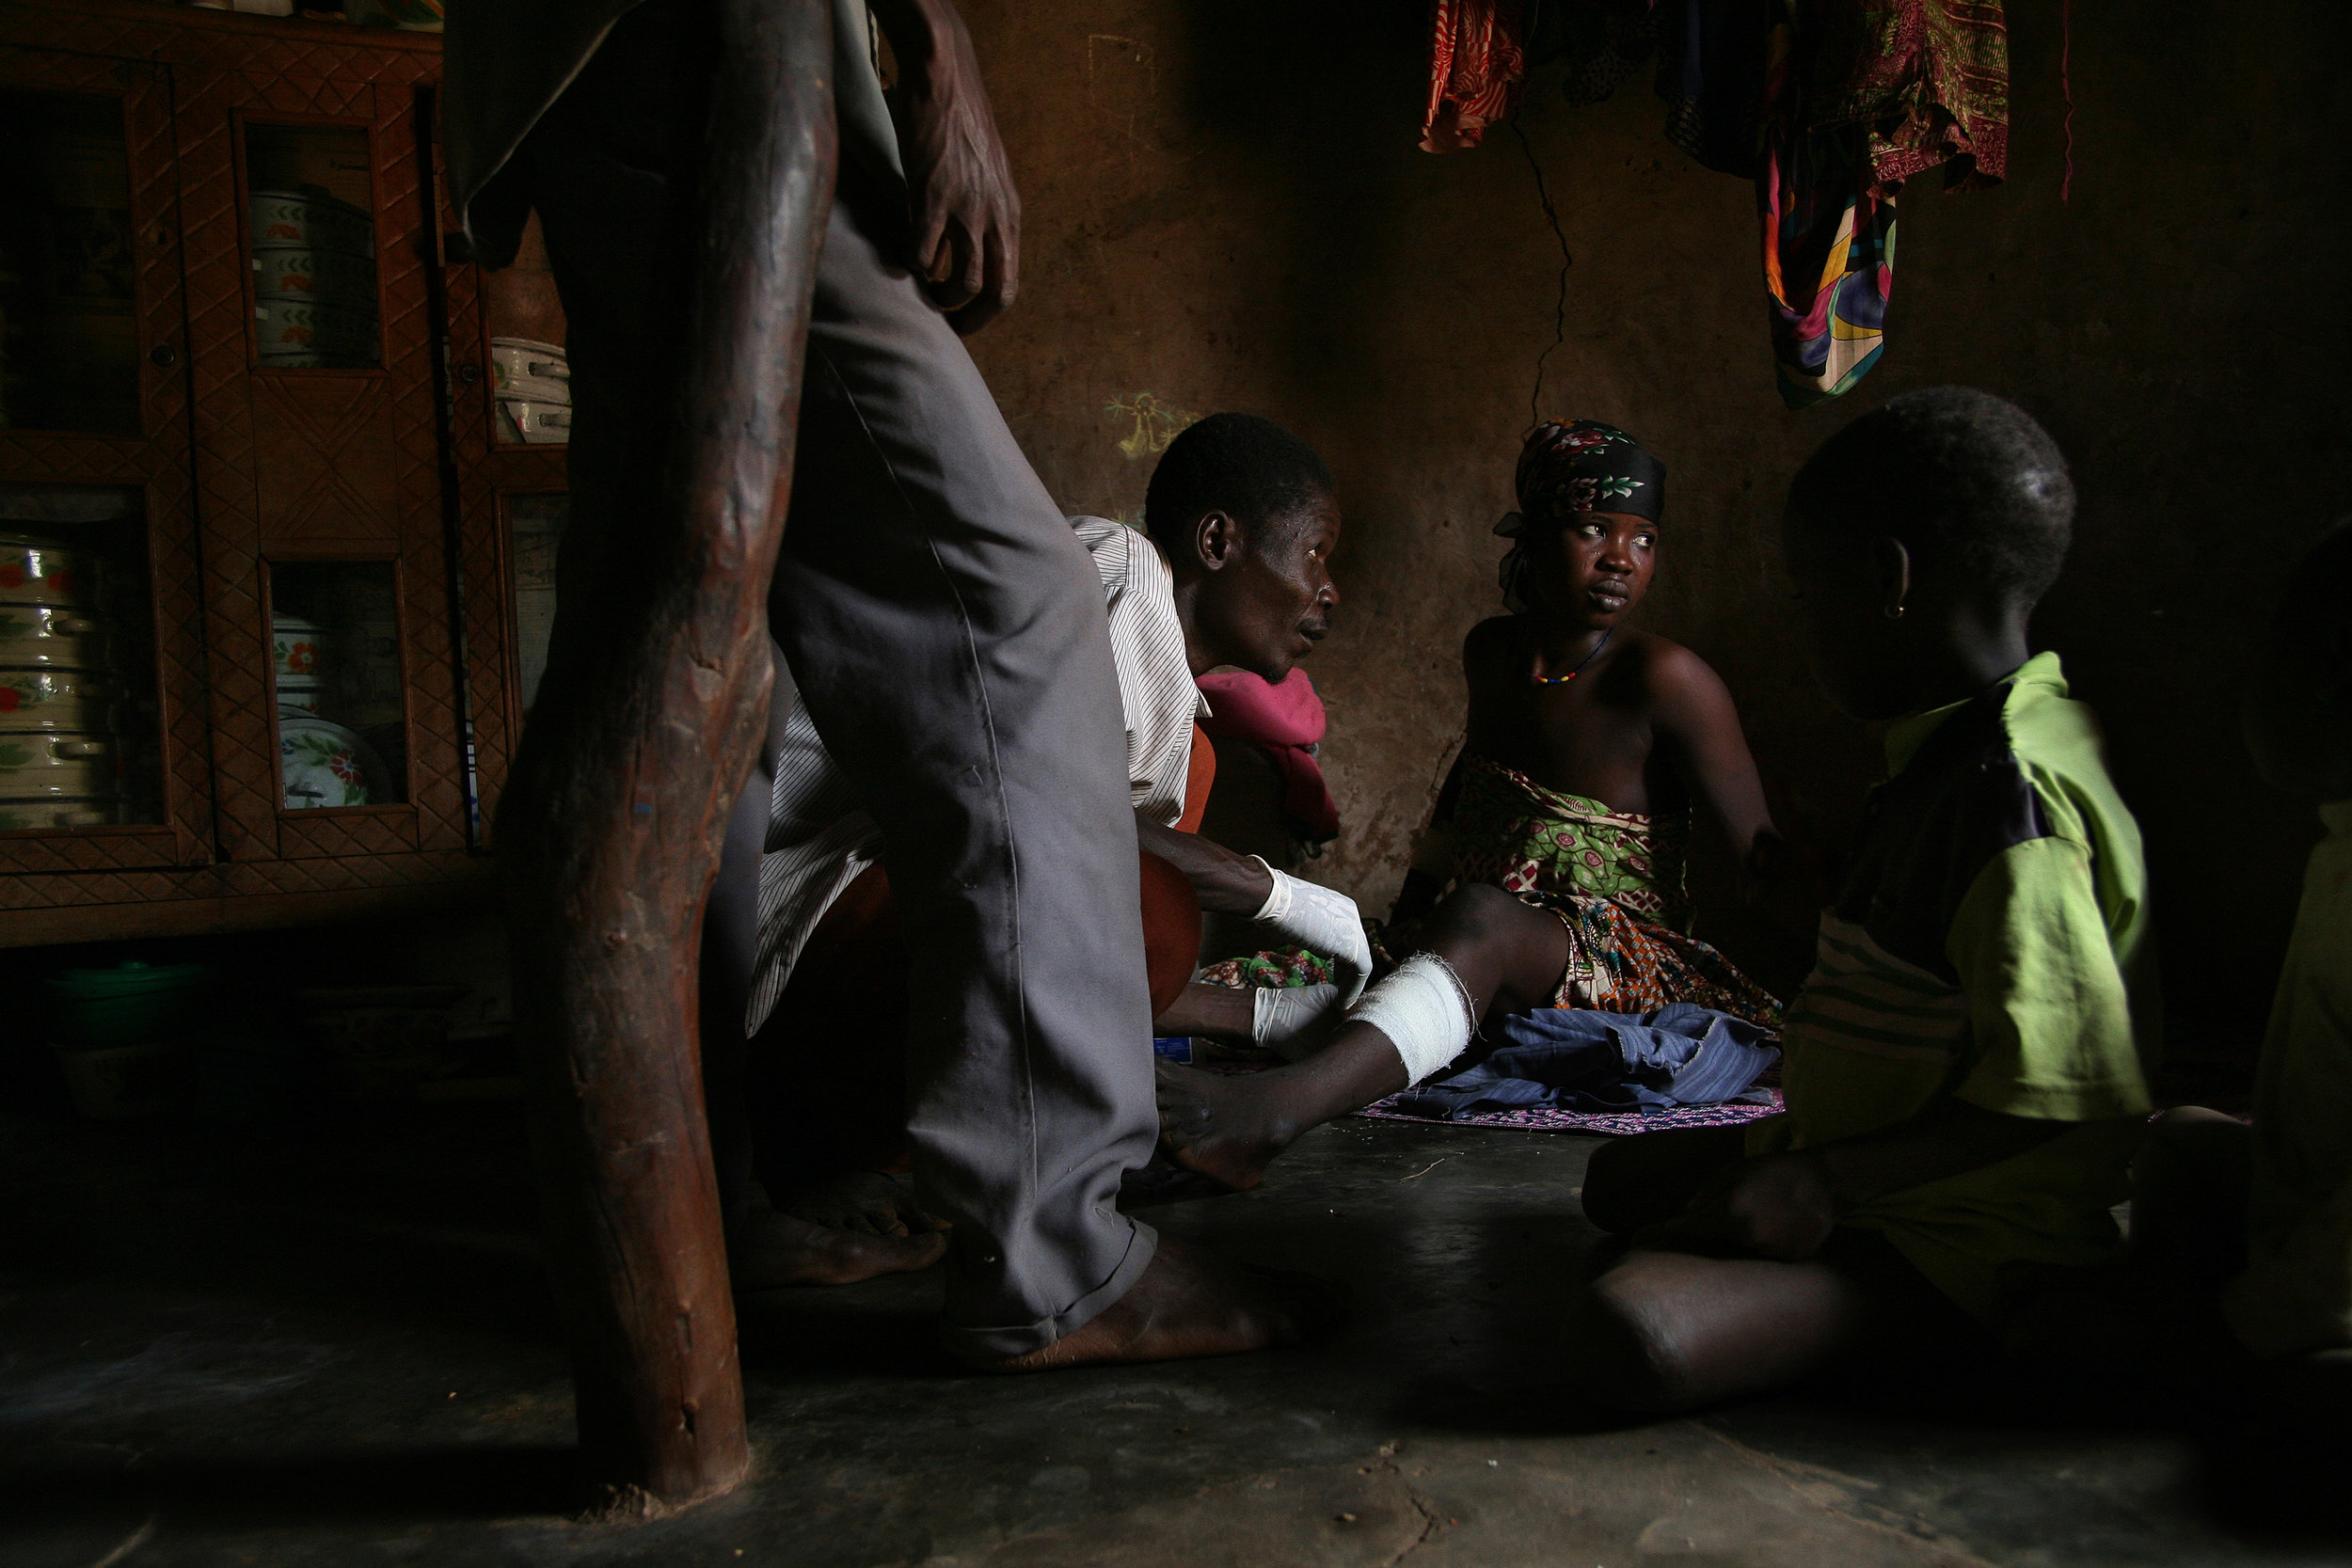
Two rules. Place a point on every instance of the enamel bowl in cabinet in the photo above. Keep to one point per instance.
(39, 699)
(58, 763)
(322, 764)
(51, 637)
(33, 570)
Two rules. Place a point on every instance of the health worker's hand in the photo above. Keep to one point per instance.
(965, 213)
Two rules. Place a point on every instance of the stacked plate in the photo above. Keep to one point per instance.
(532, 383)
(319, 763)
(61, 752)
(314, 282)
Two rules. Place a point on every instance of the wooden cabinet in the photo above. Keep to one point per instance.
(245, 398)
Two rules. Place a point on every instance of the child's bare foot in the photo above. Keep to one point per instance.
(1227, 1129)
(1189, 1303)
(767, 1249)
(867, 1201)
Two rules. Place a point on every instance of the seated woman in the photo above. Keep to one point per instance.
(1589, 743)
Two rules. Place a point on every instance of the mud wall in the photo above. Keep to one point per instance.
(1225, 209)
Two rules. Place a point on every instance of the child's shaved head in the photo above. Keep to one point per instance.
(2297, 698)
(1963, 478)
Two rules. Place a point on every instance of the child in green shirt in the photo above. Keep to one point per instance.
(1966, 1067)
(2272, 1204)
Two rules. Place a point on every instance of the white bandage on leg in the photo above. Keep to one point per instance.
(1278, 1018)
(1425, 1009)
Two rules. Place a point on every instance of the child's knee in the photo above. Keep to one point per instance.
(1619, 1351)
(2190, 1143)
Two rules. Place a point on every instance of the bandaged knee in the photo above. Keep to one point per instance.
(1424, 1009)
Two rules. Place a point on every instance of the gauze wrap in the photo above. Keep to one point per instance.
(1321, 921)
(1277, 1017)
(1424, 1011)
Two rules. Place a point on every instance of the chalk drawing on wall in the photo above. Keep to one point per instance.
(1152, 424)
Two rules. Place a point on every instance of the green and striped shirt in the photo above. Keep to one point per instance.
(1991, 943)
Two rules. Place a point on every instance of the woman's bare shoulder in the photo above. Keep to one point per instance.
(1670, 675)
(1490, 640)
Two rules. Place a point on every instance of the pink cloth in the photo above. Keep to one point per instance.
(1284, 720)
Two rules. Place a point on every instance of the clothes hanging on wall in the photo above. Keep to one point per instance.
(1477, 67)
(1711, 60)
(1863, 95)
(1829, 105)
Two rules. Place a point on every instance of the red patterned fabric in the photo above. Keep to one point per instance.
(1477, 64)
(1929, 77)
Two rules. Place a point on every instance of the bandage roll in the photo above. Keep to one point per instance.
(1279, 1018)
(1424, 1011)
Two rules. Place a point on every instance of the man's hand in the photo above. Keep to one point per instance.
(965, 213)
(1778, 1206)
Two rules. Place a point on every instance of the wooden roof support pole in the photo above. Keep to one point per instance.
(610, 832)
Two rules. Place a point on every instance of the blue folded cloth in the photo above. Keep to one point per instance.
(1569, 1060)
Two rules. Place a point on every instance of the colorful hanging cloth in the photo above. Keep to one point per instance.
(1865, 94)
(1830, 104)
(1477, 67)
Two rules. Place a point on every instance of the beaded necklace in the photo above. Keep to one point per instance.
(1534, 679)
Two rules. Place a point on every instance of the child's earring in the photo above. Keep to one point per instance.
(1895, 610)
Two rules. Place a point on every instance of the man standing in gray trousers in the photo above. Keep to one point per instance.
(939, 618)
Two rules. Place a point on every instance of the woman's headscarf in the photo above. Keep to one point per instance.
(1568, 467)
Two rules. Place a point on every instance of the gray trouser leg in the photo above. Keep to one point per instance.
(946, 631)
(948, 634)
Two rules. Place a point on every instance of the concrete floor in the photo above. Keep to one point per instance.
(218, 1348)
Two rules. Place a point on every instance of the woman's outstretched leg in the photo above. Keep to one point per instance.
(1505, 956)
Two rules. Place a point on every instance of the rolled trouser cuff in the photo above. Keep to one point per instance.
(1005, 1343)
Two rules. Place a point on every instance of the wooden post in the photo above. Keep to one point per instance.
(610, 830)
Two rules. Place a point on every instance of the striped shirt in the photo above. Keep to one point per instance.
(820, 840)
(1990, 945)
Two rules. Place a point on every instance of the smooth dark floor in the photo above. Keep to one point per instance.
(225, 1346)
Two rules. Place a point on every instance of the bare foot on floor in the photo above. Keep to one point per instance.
(1189, 1303)
(768, 1249)
(867, 1201)
(1226, 1129)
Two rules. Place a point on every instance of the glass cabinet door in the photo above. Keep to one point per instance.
(79, 743)
(69, 317)
(311, 192)
(342, 737)
(104, 762)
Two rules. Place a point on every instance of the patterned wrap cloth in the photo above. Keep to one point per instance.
(1615, 880)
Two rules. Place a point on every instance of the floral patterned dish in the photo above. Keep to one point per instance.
(33, 570)
(322, 764)
(51, 637)
(57, 699)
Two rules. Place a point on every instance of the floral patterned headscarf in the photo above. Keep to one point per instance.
(1568, 467)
